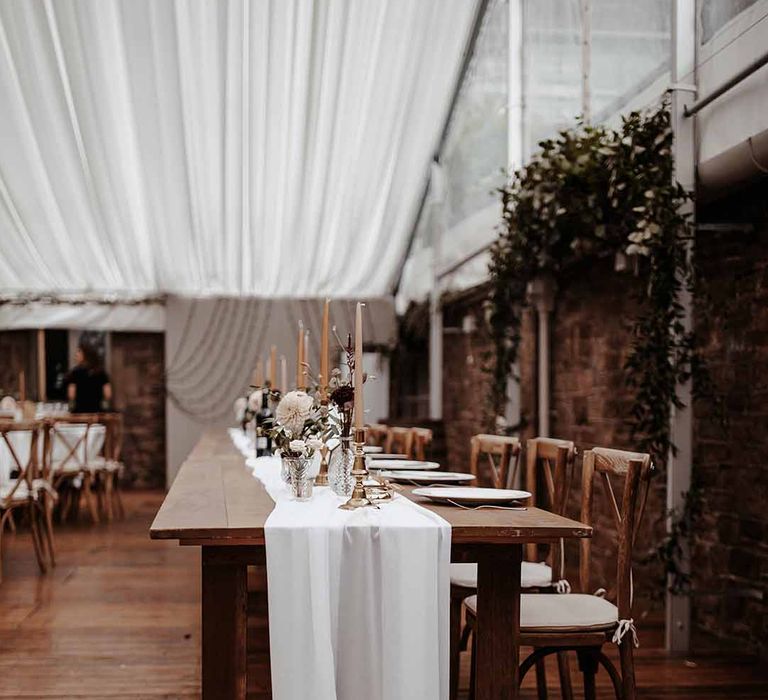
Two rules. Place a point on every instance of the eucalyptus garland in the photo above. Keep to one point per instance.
(593, 192)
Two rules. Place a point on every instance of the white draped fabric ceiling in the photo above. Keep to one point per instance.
(218, 148)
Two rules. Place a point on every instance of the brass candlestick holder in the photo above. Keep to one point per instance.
(359, 471)
(322, 476)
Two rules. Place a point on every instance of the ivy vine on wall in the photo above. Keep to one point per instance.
(595, 191)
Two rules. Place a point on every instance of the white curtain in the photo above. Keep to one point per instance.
(270, 148)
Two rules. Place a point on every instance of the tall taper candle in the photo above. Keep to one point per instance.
(283, 374)
(273, 368)
(258, 374)
(324, 360)
(299, 358)
(359, 408)
(305, 355)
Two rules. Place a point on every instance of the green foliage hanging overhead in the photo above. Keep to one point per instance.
(600, 192)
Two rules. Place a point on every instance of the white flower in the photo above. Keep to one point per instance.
(240, 405)
(314, 443)
(293, 411)
(254, 400)
(297, 445)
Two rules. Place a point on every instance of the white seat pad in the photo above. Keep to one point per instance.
(532, 575)
(548, 613)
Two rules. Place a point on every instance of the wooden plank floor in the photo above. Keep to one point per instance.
(119, 618)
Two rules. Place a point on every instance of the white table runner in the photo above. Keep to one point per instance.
(358, 601)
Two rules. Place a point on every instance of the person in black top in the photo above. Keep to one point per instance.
(88, 387)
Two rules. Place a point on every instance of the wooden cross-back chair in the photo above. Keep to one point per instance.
(21, 443)
(421, 440)
(584, 622)
(553, 459)
(377, 434)
(400, 441)
(110, 466)
(502, 457)
(70, 473)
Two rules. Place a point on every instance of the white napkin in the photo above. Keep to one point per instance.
(358, 600)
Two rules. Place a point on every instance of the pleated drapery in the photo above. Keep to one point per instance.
(268, 148)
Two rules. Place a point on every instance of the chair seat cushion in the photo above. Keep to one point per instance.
(21, 493)
(532, 575)
(558, 613)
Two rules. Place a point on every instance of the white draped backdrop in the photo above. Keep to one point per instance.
(268, 148)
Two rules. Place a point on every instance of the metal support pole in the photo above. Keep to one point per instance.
(541, 293)
(437, 214)
(678, 608)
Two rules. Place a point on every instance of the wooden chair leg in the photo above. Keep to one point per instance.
(564, 671)
(118, 497)
(3, 521)
(588, 665)
(541, 679)
(89, 496)
(455, 639)
(11, 522)
(108, 486)
(626, 655)
(472, 663)
(48, 524)
(37, 540)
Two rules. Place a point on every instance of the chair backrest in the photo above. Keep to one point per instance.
(113, 445)
(377, 434)
(634, 469)
(502, 455)
(94, 441)
(399, 440)
(420, 440)
(68, 445)
(549, 461)
(18, 452)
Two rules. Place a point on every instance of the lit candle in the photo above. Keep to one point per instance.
(258, 374)
(359, 409)
(305, 353)
(324, 370)
(283, 374)
(273, 368)
(299, 358)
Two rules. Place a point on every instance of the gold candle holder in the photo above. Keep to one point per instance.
(359, 471)
(322, 476)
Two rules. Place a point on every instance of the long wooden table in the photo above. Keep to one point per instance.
(216, 504)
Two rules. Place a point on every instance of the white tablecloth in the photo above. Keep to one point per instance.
(358, 601)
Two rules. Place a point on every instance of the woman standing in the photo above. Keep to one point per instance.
(88, 387)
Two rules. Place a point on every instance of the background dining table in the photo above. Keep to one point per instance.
(215, 503)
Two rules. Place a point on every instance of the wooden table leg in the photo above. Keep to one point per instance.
(498, 623)
(224, 624)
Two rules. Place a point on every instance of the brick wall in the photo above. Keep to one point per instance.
(465, 385)
(730, 554)
(18, 351)
(137, 366)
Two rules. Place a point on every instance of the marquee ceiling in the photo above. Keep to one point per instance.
(232, 147)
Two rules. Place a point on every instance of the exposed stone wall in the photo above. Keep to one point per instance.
(137, 364)
(730, 555)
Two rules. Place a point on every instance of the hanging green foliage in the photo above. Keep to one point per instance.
(600, 192)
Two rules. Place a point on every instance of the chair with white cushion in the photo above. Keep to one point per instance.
(584, 622)
(69, 464)
(19, 484)
(104, 461)
(547, 460)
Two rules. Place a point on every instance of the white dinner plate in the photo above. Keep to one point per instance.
(372, 449)
(427, 477)
(471, 496)
(399, 464)
(390, 455)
